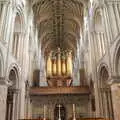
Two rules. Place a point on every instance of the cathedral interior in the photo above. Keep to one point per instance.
(59, 59)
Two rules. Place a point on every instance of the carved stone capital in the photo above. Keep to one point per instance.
(3, 81)
(114, 80)
(105, 89)
(14, 90)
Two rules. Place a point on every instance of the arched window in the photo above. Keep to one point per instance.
(99, 34)
(12, 96)
(16, 36)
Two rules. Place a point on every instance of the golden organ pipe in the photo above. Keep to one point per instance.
(49, 66)
(59, 63)
(54, 67)
(63, 67)
(69, 64)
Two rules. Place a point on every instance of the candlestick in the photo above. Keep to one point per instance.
(59, 113)
(44, 112)
(74, 118)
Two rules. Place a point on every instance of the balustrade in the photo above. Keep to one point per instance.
(72, 119)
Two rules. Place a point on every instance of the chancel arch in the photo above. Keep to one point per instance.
(106, 106)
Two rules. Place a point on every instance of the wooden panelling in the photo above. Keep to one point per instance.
(59, 90)
(72, 119)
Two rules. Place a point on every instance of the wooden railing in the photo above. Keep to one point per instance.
(91, 119)
(72, 119)
(83, 90)
(34, 119)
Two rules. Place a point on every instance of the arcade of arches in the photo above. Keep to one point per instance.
(60, 59)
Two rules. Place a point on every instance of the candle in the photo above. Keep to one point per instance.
(59, 113)
(74, 118)
(44, 112)
(73, 108)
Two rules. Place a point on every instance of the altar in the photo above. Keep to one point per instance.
(51, 103)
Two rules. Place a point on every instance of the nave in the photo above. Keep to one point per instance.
(60, 59)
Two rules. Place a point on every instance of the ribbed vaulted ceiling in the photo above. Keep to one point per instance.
(59, 22)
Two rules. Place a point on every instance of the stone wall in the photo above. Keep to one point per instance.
(3, 96)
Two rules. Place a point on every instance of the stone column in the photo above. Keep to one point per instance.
(116, 7)
(22, 99)
(15, 44)
(3, 18)
(114, 83)
(21, 47)
(8, 18)
(113, 19)
(93, 63)
(100, 46)
(43, 81)
(30, 108)
(3, 97)
(95, 46)
(15, 104)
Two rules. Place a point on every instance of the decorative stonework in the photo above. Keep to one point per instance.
(81, 103)
(114, 80)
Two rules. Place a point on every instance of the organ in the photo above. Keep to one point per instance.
(59, 67)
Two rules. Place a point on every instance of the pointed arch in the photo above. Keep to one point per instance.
(116, 59)
(105, 97)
